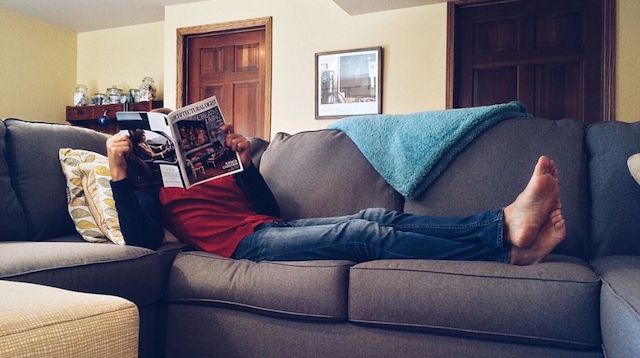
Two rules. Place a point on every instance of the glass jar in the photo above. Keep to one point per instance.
(134, 95)
(114, 94)
(98, 99)
(80, 97)
(147, 89)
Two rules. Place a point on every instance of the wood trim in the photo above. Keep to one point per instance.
(608, 53)
(480, 2)
(225, 27)
(451, 59)
(609, 60)
(268, 44)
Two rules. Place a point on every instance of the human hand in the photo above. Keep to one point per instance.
(118, 149)
(239, 144)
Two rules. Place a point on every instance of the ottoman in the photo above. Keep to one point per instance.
(42, 321)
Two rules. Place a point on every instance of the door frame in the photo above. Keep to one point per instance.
(182, 33)
(608, 54)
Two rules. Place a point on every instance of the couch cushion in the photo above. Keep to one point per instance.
(13, 224)
(87, 267)
(322, 173)
(552, 303)
(615, 196)
(620, 304)
(497, 165)
(32, 154)
(315, 290)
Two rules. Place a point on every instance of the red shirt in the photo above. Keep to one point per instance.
(213, 216)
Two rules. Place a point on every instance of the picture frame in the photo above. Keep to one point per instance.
(348, 82)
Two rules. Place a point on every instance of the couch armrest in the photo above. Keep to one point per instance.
(620, 304)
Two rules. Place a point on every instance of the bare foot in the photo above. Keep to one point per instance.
(525, 217)
(551, 234)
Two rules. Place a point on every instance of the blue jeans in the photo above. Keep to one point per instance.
(379, 234)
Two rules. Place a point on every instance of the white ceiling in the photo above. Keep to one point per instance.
(89, 15)
(357, 7)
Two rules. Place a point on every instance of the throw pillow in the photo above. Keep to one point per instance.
(89, 195)
(634, 166)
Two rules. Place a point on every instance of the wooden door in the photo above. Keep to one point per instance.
(234, 65)
(547, 54)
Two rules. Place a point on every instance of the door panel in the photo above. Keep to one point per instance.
(230, 66)
(245, 94)
(558, 89)
(546, 53)
(494, 85)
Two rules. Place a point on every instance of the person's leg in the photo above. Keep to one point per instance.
(356, 239)
(464, 229)
(533, 225)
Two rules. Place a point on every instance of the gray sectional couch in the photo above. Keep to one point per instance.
(582, 301)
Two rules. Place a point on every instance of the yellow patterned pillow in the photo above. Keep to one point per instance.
(89, 195)
(634, 166)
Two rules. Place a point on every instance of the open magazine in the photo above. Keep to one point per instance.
(182, 149)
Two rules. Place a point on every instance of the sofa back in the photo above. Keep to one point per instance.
(13, 223)
(322, 173)
(615, 195)
(36, 176)
(496, 166)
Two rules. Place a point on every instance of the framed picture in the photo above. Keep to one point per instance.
(348, 83)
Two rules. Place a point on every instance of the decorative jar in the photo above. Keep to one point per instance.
(80, 97)
(147, 89)
(99, 98)
(114, 94)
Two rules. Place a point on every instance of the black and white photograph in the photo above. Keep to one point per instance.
(348, 83)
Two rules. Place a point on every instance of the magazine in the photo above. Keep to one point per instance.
(182, 149)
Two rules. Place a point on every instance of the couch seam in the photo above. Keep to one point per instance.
(229, 304)
(206, 255)
(479, 276)
(475, 332)
(74, 266)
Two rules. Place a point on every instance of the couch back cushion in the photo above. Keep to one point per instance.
(497, 165)
(32, 154)
(322, 173)
(13, 224)
(615, 195)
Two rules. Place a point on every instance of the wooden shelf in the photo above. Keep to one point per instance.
(88, 116)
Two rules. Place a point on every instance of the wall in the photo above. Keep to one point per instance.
(414, 42)
(38, 87)
(37, 68)
(121, 56)
(628, 61)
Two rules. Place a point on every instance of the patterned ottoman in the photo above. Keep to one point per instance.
(42, 321)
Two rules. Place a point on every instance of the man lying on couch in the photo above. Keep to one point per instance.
(237, 216)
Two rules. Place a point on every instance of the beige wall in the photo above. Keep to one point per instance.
(414, 42)
(37, 68)
(628, 61)
(121, 56)
(38, 87)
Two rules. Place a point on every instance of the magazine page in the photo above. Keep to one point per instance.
(201, 150)
(153, 160)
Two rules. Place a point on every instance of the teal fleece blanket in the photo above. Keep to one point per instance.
(411, 150)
